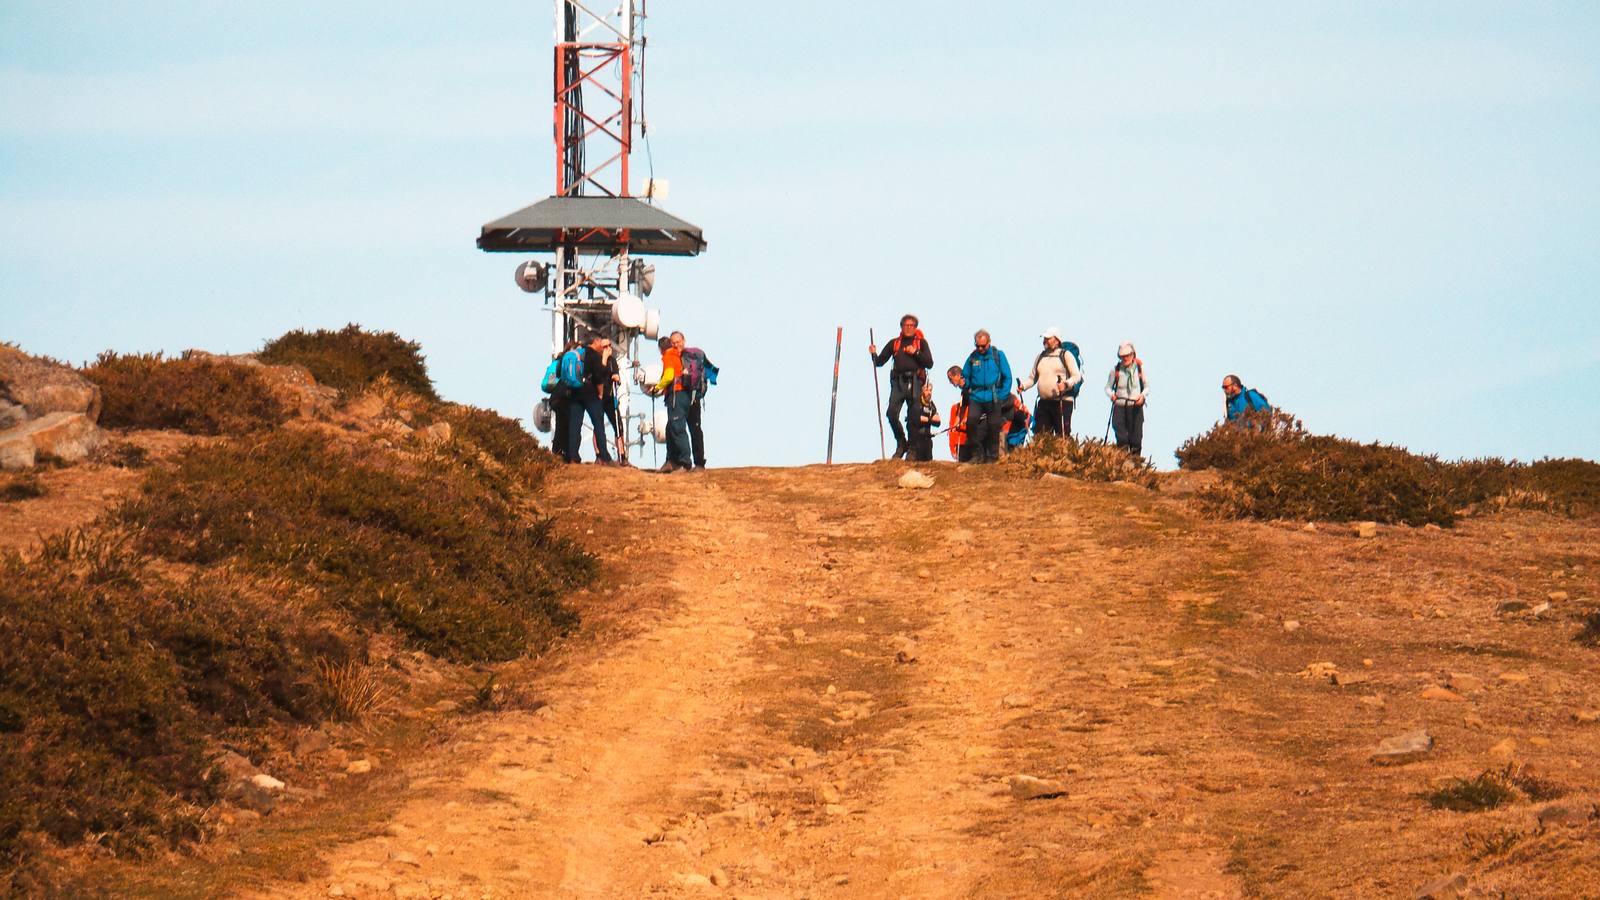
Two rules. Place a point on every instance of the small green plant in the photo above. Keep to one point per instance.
(189, 393)
(1489, 789)
(1087, 460)
(25, 486)
(351, 359)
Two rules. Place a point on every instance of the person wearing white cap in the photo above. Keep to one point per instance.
(1055, 371)
(1128, 388)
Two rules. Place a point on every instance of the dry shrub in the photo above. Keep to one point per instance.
(428, 545)
(114, 677)
(1589, 634)
(349, 690)
(504, 440)
(20, 486)
(190, 394)
(1086, 460)
(351, 359)
(1492, 788)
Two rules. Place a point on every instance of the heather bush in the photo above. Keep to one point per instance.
(351, 359)
(426, 544)
(191, 394)
(1087, 460)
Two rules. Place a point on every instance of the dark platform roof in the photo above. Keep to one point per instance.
(592, 222)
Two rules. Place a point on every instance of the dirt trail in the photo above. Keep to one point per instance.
(846, 675)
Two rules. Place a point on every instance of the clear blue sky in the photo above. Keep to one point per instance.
(1386, 216)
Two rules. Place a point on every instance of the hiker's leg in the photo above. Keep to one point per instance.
(1119, 424)
(1047, 417)
(575, 410)
(1136, 430)
(899, 399)
(1066, 417)
(558, 437)
(697, 438)
(597, 420)
(678, 428)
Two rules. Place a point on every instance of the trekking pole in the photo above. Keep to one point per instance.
(1109, 413)
(833, 404)
(877, 411)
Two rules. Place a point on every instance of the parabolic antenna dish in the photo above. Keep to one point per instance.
(629, 312)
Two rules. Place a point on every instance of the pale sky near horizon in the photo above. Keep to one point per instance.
(1385, 216)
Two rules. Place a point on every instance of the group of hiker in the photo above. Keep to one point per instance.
(584, 379)
(992, 416)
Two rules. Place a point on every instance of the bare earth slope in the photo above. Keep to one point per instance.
(754, 734)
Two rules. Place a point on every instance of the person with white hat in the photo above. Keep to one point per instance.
(1128, 387)
(1055, 371)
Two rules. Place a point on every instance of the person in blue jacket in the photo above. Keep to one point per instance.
(988, 385)
(1242, 400)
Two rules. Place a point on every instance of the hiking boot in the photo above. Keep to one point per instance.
(669, 466)
(899, 451)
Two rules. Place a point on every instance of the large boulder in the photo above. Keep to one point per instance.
(67, 436)
(42, 387)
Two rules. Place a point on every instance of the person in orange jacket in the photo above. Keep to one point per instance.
(958, 417)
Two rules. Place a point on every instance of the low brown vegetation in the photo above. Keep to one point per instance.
(1087, 460)
(186, 393)
(1274, 469)
(236, 592)
(351, 359)
(20, 486)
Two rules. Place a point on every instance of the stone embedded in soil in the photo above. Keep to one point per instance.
(1403, 748)
(1445, 694)
(1505, 750)
(1029, 787)
(266, 782)
(1291, 625)
(1366, 529)
(1511, 606)
(1345, 679)
(914, 480)
(1460, 681)
(1444, 888)
(1016, 701)
(66, 436)
(1587, 716)
(359, 767)
(1566, 814)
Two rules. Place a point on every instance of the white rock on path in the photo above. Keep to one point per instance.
(914, 480)
(1403, 748)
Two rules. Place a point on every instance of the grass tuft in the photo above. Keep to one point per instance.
(1487, 790)
(23, 486)
(1589, 633)
(350, 691)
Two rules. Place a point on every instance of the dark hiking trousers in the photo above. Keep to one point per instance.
(903, 391)
(678, 450)
(1128, 423)
(1053, 417)
(983, 430)
(559, 403)
(582, 403)
(697, 438)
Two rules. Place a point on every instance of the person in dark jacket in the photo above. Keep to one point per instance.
(586, 401)
(987, 374)
(925, 418)
(1242, 400)
(912, 359)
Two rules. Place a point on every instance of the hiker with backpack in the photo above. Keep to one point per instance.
(958, 416)
(925, 418)
(698, 375)
(558, 398)
(1058, 372)
(679, 458)
(587, 379)
(987, 374)
(1241, 401)
(912, 359)
(1014, 429)
(1128, 388)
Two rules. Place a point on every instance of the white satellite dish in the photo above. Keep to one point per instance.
(660, 429)
(652, 323)
(628, 311)
(542, 416)
(644, 276)
(650, 373)
(532, 276)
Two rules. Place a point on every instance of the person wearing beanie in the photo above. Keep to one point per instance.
(912, 359)
(1128, 387)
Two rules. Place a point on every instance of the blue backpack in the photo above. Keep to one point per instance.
(572, 369)
(552, 377)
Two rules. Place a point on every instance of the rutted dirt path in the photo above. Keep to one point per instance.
(842, 676)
